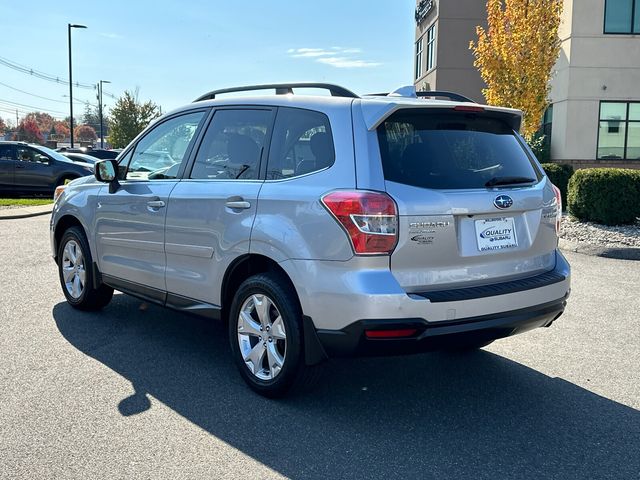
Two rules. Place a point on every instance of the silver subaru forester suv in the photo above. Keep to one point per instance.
(319, 226)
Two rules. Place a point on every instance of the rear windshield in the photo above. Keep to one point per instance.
(452, 150)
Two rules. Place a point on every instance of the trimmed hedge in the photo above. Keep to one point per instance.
(559, 174)
(605, 195)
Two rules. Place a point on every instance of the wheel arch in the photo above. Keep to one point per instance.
(252, 263)
(242, 268)
(62, 225)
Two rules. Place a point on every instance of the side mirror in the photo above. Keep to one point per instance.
(105, 171)
(43, 159)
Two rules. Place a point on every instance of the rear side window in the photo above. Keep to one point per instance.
(301, 144)
(452, 150)
(6, 152)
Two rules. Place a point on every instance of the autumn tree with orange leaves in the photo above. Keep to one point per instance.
(516, 54)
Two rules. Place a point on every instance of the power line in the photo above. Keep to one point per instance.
(45, 76)
(40, 96)
(31, 106)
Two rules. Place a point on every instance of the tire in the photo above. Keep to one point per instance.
(263, 299)
(79, 294)
(64, 180)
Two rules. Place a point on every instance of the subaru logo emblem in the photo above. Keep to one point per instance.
(503, 201)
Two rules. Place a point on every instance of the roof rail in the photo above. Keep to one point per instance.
(282, 89)
(456, 97)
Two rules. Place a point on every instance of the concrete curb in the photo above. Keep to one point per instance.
(25, 212)
(620, 253)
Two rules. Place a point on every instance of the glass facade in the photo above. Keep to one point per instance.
(619, 131)
(431, 44)
(622, 16)
(418, 58)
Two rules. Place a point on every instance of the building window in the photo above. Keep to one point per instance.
(418, 58)
(619, 131)
(431, 43)
(544, 155)
(622, 16)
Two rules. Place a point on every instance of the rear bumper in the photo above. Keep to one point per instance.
(338, 294)
(352, 340)
(442, 320)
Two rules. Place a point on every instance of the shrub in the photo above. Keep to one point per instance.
(559, 174)
(605, 195)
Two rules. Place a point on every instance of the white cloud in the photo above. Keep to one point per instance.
(338, 57)
(309, 52)
(345, 62)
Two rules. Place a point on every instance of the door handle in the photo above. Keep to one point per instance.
(19, 166)
(241, 204)
(155, 204)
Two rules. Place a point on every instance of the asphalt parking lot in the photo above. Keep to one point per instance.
(151, 393)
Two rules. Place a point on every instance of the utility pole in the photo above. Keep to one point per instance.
(69, 27)
(100, 111)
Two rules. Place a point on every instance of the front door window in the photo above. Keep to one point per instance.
(160, 153)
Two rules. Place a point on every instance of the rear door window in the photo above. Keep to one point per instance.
(452, 150)
(7, 152)
(233, 145)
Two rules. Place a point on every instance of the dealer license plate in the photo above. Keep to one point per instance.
(496, 234)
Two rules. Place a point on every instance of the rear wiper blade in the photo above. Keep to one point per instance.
(508, 181)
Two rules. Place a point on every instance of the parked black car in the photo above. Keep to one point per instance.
(26, 168)
(100, 153)
(80, 157)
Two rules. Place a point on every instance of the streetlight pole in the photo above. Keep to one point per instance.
(69, 27)
(100, 111)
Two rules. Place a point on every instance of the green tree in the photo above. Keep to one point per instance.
(91, 116)
(129, 117)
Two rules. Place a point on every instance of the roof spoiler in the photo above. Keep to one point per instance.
(374, 113)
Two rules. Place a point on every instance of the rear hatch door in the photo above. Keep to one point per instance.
(475, 208)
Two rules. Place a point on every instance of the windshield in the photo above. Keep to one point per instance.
(452, 150)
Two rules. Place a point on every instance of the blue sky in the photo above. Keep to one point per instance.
(175, 51)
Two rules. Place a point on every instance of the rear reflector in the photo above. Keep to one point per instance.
(404, 332)
(468, 108)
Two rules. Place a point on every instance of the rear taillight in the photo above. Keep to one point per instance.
(556, 190)
(370, 219)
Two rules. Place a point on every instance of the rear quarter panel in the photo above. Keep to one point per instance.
(291, 221)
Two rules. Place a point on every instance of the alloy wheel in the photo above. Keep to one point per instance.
(73, 269)
(262, 337)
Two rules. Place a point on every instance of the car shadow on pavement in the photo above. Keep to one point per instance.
(426, 416)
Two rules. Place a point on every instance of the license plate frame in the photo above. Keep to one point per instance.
(496, 234)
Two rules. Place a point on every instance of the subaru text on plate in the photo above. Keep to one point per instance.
(319, 226)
